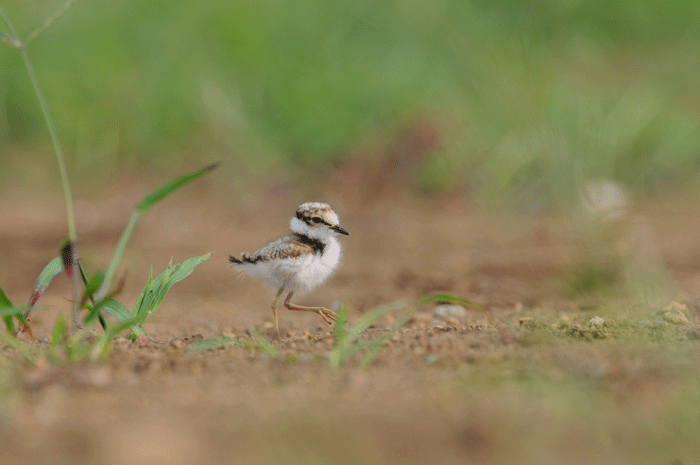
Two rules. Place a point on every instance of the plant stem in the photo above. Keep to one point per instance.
(72, 235)
(52, 130)
(57, 147)
(47, 22)
(118, 252)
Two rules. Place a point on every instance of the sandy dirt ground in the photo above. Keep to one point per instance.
(441, 391)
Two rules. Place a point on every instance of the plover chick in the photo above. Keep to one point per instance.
(299, 262)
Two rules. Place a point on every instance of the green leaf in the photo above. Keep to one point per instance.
(215, 343)
(118, 311)
(377, 345)
(149, 200)
(346, 346)
(7, 312)
(92, 285)
(100, 349)
(153, 294)
(370, 318)
(50, 271)
(263, 345)
(23, 349)
(142, 295)
(341, 324)
(11, 311)
(59, 333)
(4, 301)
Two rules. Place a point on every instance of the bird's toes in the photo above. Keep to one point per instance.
(329, 316)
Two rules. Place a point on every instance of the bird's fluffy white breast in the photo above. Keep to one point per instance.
(317, 268)
(301, 273)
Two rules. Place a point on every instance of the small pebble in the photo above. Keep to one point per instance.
(596, 322)
(524, 320)
(447, 311)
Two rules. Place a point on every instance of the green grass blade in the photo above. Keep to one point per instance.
(21, 348)
(215, 343)
(118, 311)
(446, 298)
(155, 291)
(116, 257)
(377, 345)
(4, 301)
(142, 295)
(50, 271)
(346, 346)
(149, 200)
(59, 333)
(9, 324)
(100, 349)
(342, 324)
(91, 286)
(6, 310)
(372, 317)
(263, 345)
(159, 290)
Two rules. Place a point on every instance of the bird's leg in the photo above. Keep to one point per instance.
(327, 315)
(274, 310)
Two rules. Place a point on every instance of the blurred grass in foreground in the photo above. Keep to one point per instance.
(526, 99)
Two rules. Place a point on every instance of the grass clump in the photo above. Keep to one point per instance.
(98, 296)
(259, 343)
(353, 342)
(348, 342)
(98, 293)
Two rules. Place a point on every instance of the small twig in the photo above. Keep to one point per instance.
(49, 20)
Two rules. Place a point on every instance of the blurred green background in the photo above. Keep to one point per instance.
(489, 97)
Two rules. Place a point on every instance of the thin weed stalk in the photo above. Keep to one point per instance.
(72, 234)
(78, 346)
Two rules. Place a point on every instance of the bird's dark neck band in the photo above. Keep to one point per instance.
(315, 244)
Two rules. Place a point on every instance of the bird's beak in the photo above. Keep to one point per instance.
(340, 230)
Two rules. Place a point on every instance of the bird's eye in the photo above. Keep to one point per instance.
(316, 219)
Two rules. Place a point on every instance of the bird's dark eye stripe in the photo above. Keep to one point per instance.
(314, 219)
